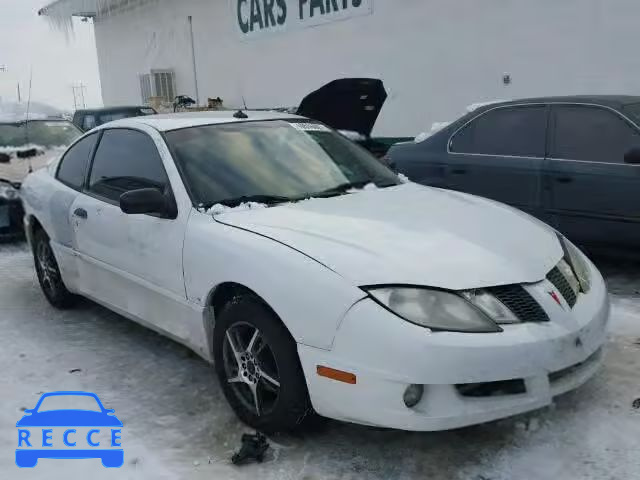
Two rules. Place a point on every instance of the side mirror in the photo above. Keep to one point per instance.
(632, 156)
(144, 200)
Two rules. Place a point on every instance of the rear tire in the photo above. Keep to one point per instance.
(49, 274)
(257, 363)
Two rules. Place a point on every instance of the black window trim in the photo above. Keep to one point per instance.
(89, 162)
(501, 107)
(552, 137)
(169, 194)
(550, 105)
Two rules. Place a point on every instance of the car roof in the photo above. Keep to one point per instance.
(614, 101)
(175, 121)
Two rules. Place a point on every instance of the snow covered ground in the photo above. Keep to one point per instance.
(178, 425)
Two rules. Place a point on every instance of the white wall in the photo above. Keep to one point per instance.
(435, 56)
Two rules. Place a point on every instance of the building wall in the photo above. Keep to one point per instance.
(435, 56)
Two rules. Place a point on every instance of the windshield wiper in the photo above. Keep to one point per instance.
(345, 187)
(234, 202)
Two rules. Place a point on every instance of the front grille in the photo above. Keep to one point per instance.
(556, 277)
(492, 389)
(518, 300)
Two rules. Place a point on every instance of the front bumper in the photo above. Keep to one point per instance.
(388, 354)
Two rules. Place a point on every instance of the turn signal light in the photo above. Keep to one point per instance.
(338, 375)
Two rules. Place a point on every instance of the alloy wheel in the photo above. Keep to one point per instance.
(251, 368)
(49, 274)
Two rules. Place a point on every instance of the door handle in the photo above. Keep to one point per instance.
(459, 171)
(564, 179)
(80, 213)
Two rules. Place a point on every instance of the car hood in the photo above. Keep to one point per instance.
(413, 235)
(16, 169)
(351, 104)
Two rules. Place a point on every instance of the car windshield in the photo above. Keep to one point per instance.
(69, 402)
(271, 160)
(45, 133)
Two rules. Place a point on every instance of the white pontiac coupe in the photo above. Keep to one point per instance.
(311, 276)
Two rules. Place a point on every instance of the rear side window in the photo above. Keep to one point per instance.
(73, 166)
(518, 131)
(591, 134)
(126, 160)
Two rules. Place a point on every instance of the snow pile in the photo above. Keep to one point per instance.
(218, 208)
(474, 106)
(368, 187)
(17, 111)
(20, 148)
(435, 126)
(403, 178)
(353, 136)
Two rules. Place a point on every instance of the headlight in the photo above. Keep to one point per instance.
(577, 262)
(435, 309)
(8, 192)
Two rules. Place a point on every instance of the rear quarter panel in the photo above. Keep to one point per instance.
(423, 162)
(48, 202)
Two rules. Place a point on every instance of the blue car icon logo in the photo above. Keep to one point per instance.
(51, 430)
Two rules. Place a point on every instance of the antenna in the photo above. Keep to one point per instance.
(26, 123)
(244, 103)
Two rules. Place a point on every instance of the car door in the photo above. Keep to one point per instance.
(499, 155)
(71, 172)
(131, 263)
(592, 192)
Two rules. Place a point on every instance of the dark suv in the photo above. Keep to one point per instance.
(88, 119)
(571, 161)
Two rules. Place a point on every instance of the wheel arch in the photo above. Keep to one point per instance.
(31, 227)
(220, 296)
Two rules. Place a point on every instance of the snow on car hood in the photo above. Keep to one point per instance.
(413, 235)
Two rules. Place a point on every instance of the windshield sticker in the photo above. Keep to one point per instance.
(309, 127)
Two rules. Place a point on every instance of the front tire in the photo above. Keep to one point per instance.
(257, 363)
(49, 274)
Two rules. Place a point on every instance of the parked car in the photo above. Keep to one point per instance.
(26, 145)
(291, 258)
(570, 161)
(87, 119)
(351, 106)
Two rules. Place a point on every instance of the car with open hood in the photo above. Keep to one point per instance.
(26, 146)
(352, 107)
(291, 259)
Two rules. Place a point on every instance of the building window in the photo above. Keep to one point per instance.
(159, 84)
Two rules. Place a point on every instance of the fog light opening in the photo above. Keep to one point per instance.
(413, 395)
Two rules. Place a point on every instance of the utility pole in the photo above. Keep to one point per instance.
(78, 95)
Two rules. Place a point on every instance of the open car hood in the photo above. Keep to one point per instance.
(346, 104)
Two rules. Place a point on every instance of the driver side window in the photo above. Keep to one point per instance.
(126, 160)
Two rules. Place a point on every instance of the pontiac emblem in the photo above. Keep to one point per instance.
(555, 296)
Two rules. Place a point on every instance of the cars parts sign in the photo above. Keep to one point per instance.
(255, 18)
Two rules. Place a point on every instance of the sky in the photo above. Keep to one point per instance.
(27, 41)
